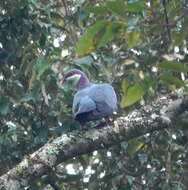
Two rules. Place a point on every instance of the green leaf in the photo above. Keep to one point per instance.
(133, 94)
(42, 132)
(111, 31)
(133, 39)
(72, 178)
(130, 179)
(173, 66)
(171, 80)
(56, 15)
(165, 187)
(86, 43)
(84, 60)
(143, 158)
(27, 98)
(126, 186)
(124, 85)
(117, 6)
(41, 66)
(134, 146)
(179, 36)
(34, 3)
(136, 6)
(4, 105)
(97, 10)
(42, 40)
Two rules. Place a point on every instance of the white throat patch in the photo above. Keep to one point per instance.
(75, 77)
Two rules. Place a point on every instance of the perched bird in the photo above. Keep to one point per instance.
(92, 101)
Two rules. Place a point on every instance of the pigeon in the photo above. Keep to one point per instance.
(91, 101)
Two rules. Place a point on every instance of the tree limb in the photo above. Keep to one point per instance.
(161, 114)
(167, 20)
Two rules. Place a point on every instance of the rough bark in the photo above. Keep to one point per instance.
(157, 116)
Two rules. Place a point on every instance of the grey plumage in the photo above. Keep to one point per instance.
(94, 101)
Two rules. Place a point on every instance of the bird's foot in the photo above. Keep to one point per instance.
(109, 121)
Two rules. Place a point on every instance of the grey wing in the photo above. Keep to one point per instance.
(76, 102)
(82, 103)
(111, 98)
(104, 96)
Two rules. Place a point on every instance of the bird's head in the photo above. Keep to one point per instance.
(79, 77)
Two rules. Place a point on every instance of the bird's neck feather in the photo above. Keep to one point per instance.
(82, 81)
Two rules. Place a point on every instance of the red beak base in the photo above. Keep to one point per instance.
(63, 81)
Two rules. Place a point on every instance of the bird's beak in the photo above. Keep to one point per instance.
(62, 81)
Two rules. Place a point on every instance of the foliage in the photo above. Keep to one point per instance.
(138, 45)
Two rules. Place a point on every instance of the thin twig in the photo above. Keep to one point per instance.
(168, 158)
(167, 20)
(69, 25)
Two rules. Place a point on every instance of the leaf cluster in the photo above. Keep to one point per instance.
(139, 46)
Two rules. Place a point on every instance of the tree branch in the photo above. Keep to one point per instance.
(161, 114)
(167, 20)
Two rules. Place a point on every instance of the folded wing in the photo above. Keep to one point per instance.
(94, 102)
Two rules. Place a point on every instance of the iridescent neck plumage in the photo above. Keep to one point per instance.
(82, 81)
